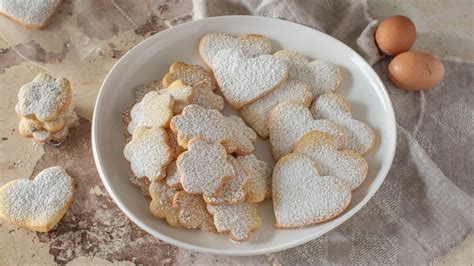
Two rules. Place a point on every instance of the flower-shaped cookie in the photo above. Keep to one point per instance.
(161, 205)
(154, 110)
(192, 211)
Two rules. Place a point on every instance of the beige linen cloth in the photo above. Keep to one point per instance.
(425, 207)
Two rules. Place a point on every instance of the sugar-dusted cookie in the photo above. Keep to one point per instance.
(256, 114)
(37, 204)
(154, 110)
(244, 79)
(259, 183)
(346, 165)
(197, 121)
(143, 183)
(302, 197)
(238, 219)
(243, 136)
(198, 78)
(288, 121)
(335, 107)
(44, 98)
(149, 152)
(31, 14)
(193, 212)
(173, 141)
(250, 44)
(204, 168)
(234, 191)
(321, 76)
(173, 176)
(182, 95)
(161, 205)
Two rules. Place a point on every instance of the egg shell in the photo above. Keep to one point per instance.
(395, 35)
(415, 71)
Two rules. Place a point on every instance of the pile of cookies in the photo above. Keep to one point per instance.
(46, 110)
(197, 164)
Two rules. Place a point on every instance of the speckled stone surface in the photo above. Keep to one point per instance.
(84, 39)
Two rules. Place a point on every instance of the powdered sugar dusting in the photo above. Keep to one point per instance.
(251, 45)
(302, 197)
(44, 97)
(154, 110)
(34, 13)
(289, 121)
(347, 166)
(332, 106)
(238, 219)
(259, 183)
(35, 202)
(256, 114)
(244, 79)
(193, 212)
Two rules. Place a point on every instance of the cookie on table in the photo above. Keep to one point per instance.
(321, 76)
(335, 107)
(204, 168)
(238, 220)
(198, 78)
(37, 204)
(149, 152)
(288, 121)
(302, 196)
(259, 182)
(192, 211)
(31, 14)
(244, 79)
(161, 205)
(249, 44)
(346, 165)
(256, 114)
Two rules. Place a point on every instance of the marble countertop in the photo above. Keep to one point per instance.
(83, 41)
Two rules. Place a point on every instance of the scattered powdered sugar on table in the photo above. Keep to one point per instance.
(31, 12)
(302, 197)
(243, 79)
(44, 97)
(36, 201)
(332, 106)
(250, 45)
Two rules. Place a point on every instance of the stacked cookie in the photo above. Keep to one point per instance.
(198, 163)
(46, 110)
(195, 163)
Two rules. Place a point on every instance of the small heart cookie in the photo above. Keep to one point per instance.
(288, 121)
(193, 212)
(204, 168)
(161, 205)
(234, 191)
(154, 110)
(198, 78)
(250, 44)
(335, 107)
(44, 98)
(149, 152)
(238, 220)
(182, 95)
(346, 165)
(321, 76)
(31, 14)
(244, 79)
(256, 114)
(259, 183)
(302, 197)
(37, 204)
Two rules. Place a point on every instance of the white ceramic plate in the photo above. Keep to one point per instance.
(150, 60)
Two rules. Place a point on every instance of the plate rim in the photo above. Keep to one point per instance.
(191, 247)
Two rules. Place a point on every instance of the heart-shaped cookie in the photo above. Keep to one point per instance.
(302, 197)
(288, 121)
(346, 165)
(250, 44)
(244, 79)
(35, 15)
(37, 204)
(335, 107)
(321, 76)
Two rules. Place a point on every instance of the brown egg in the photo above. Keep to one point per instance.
(415, 71)
(395, 35)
